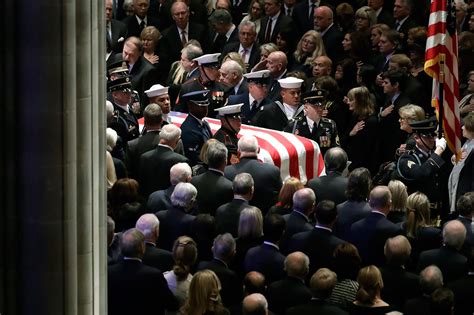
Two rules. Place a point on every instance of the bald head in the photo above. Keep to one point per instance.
(381, 199)
(322, 66)
(254, 282)
(255, 304)
(297, 265)
(276, 63)
(323, 18)
(454, 234)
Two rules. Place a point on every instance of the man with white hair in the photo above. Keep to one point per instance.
(155, 257)
(232, 76)
(155, 165)
(176, 221)
(255, 304)
(448, 257)
(161, 199)
(267, 180)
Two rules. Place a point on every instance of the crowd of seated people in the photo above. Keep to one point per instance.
(198, 224)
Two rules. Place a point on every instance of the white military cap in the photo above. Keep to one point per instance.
(208, 60)
(230, 110)
(290, 83)
(262, 76)
(157, 90)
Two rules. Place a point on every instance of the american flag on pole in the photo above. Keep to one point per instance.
(441, 63)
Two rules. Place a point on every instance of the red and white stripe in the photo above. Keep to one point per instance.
(442, 40)
(294, 155)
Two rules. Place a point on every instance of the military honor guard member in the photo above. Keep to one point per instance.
(195, 130)
(207, 80)
(278, 115)
(158, 94)
(230, 127)
(313, 126)
(257, 97)
(125, 122)
(418, 168)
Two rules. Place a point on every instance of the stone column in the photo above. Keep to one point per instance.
(53, 197)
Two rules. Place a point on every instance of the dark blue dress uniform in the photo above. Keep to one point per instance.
(418, 169)
(125, 123)
(195, 131)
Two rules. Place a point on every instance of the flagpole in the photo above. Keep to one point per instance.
(442, 58)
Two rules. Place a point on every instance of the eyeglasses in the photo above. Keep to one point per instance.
(307, 41)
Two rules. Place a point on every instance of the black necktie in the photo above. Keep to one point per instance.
(311, 13)
(288, 11)
(268, 33)
(142, 26)
(254, 105)
(220, 42)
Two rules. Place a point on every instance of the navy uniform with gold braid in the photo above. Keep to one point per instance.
(227, 134)
(419, 169)
(125, 122)
(324, 133)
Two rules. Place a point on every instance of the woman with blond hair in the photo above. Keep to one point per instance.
(150, 36)
(399, 201)
(368, 300)
(204, 296)
(179, 278)
(418, 227)
(308, 48)
(359, 138)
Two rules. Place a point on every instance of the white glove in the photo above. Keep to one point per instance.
(441, 143)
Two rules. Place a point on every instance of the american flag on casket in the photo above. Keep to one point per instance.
(294, 155)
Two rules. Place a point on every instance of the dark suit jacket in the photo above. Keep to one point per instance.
(174, 223)
(231, 292)
(170, 43)
(119, 30)
(247, 114)
(160, 200)
(386, 17)
(194, 135)
(329, 187)
(318, 244)
(266, 177)
(154, 162)
(133, 28)
(453, 265)
(214, 190)
(349, 212)
(463, 301)
(466, 177)
(233, 38)
(267, 260)
(158, 258)
(134, 288)
(227, 216)
(316, 307)
(332, 40)
(285, 293)
(296, 222)
(243, 89)
(418, 306)
(137, 147)
(282, 22)
(399, 285)
(390, 134)
(301, 18)
(254, 56)
(369, 236)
